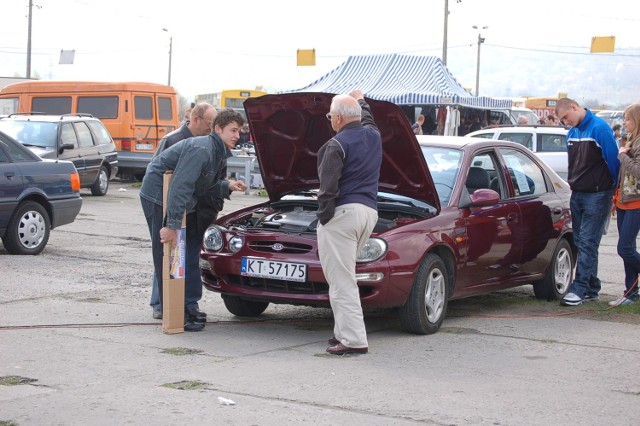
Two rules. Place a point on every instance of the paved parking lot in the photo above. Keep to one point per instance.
(78, 346)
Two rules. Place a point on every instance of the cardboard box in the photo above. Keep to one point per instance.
(173, 284)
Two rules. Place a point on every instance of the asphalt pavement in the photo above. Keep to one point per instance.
(78, 346)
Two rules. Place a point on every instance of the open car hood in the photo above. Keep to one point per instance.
(289, 129)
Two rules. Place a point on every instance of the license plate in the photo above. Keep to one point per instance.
(264, 268)
(144, 146)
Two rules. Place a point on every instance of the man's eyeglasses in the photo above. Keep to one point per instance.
(329, 116)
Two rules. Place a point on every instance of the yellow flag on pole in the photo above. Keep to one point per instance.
(603, 44)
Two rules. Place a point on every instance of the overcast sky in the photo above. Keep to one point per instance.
(531, 48)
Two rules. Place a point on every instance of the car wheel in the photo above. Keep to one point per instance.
(101, 185)
(556, 282)
(242, 307)
(28, 229)
(425, 309)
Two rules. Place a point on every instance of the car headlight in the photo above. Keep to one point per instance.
(212, 239)
(235, 244)
(373, 249)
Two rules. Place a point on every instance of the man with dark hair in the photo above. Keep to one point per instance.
(199, 124)
(349, 170)
(198, 164)
(593, 170)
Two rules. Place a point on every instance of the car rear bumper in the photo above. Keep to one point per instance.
(133, 162)
(64, 211)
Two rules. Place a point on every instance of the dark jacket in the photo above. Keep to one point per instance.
(197, 164)
(349, 166)
(593, 155)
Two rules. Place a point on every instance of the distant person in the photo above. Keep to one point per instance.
(523, 121)
(627, 202)
(551, 120)
(617, 129)
(464, 128)
(593, 169)
(197, 164)
(349, 170)
(245, 136)
(187, 116)
(417, 126)
(475, 125)
(541, 121)
(430, 125)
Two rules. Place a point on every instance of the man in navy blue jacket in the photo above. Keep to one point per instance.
(349, 170)
(593, 170)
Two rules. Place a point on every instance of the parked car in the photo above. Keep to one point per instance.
(548, 142)
(36, 196)
(471, 219)
(79, 138)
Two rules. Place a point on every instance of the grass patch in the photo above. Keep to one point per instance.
(136, 184)
(16, 380)
(188, 385)
(261, 193)
(8, 423)
(181, 351)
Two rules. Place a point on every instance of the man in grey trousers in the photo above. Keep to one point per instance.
(349, 170)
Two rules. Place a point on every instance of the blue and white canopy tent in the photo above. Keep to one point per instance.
(403, 80)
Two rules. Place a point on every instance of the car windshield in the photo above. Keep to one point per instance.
(444, 164)
(31, 133)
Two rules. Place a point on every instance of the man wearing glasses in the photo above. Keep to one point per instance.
(349, 170)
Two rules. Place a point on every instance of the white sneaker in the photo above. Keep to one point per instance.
(571, 299)
(622, 301)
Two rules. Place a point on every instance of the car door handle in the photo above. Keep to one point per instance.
(9, 175)
(512, 217)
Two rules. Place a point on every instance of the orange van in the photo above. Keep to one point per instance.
(137, 115)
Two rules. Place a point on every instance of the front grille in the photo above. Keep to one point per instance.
(280, 286)
(287, 247)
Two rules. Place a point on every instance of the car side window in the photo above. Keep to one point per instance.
(68, 135)
(483, 174)
(527, 177)
(101, 134)
(552, 143)
(17, 155)
(3, 156)
(523, 139)
(84, 135)
(484, 136)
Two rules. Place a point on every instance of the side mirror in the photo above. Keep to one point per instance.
(480, 198)
(64, 146)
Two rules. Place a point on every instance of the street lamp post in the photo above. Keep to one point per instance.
(170, 54)
(480, 41)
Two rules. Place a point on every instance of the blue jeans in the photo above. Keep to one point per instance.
(589, 211)
(193, 283)
(628, 228)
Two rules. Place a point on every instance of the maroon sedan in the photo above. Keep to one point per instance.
(476, 216)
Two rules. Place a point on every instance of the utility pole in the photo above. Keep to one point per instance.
(444, 38)
(480, 41)
(29, 41)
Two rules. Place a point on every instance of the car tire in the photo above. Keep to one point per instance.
(28, 229)
(426, 307)
(243, 307)
(556, 282)
(101, 185)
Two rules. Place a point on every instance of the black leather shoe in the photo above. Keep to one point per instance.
(195, 313)
(341, 349)
(193, 326)
(157, 314)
